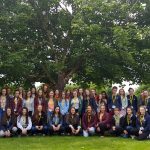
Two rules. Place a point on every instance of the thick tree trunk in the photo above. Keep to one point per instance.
(64, 78)
(61, 82)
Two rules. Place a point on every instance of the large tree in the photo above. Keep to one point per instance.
(53, 41)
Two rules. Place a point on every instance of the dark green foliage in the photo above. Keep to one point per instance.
(102, 41)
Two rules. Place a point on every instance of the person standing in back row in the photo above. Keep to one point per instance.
(145, 101)
(40, 100)
(76, 102)
(132, 100)
(4, 102)
(114, 101)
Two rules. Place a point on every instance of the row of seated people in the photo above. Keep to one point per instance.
(101, 123)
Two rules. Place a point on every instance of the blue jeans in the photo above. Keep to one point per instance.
(36, 131)
(131, 130)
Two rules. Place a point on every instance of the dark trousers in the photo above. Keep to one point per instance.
(64, 120)
(117, 132)
(12, 130)
(51, 131)
(34, 130)
(19, 132)
(131, 130)
(103, 128)
(30, 113)
(1, 114)
(142, 136)
(68, 129)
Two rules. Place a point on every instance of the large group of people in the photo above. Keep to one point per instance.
(77, 112)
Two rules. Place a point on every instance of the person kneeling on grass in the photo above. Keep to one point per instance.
(8, 124)
(55, 122)
(39, 122)
(116, 123)
(129, 123)
(73, 123)
(143, 124)
(103, 122)
(24, 123)
(89, 122)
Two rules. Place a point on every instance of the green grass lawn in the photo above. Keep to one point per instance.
(72, 143)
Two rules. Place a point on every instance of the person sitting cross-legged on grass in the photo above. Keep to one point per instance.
(39, 122)
(55, 122)
(24, 122)
(73, 123)
(8, 124)
(103, 122)
(143, 124)
(89, 122)
(116, 123)
(129, 123)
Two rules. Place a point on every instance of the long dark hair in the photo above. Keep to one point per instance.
(59, 114)
(129, 107)
(5, 116)
(70, 114)
(27, 114)
(106, 96)
(27, 94)
(35, 90)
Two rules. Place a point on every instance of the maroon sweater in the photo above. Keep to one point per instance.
(43, 103)
(16, 108)
(105, 119)
(88, 122)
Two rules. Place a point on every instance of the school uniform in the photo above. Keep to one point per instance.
(16, 105)
(89, 124)
(39, 120)
(30, 105)
(55, 121)
(143, 124)
(40, 101)
(101, 103)
(9, 124)
(103, 123)
(87, 102)
(145, 103)
(4, 103)
(24, 123)
(45, 94)
(51, 104)
(77, 104)
(114, 102)
(72, 121)
(133, 102)
(124, 103)
(129, 124)
(116, 122)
